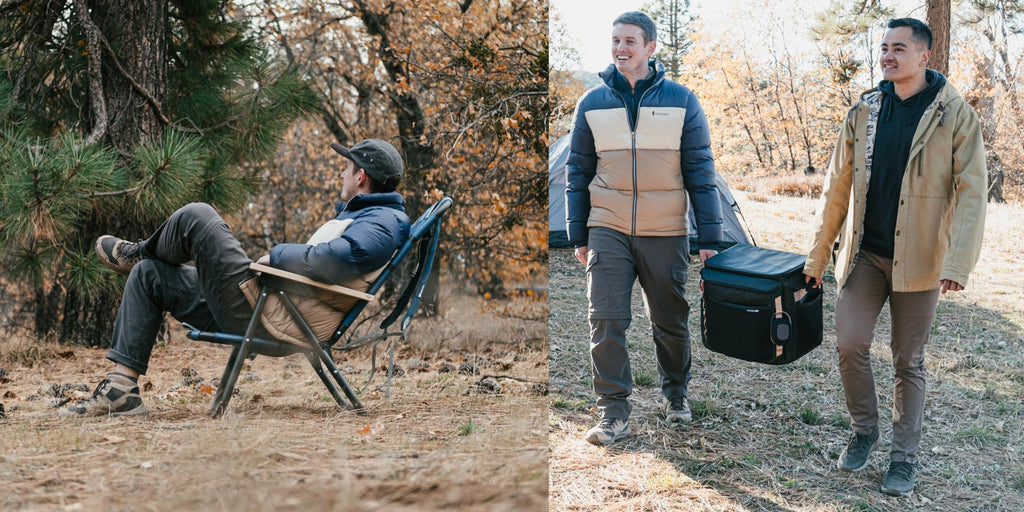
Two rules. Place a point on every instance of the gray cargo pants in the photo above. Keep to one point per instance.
(205, 295)
(615, 261)
(857, 309)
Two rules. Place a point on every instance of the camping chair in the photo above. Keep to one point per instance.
(423, 239)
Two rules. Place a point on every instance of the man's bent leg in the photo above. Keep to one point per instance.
(610, 276)
(912, 316)
(196, 232)
(857, 309)
(662, 264)
(154, 287)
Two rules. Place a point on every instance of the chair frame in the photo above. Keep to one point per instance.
(424, 235)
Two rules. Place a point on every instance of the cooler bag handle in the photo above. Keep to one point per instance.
(781, 328)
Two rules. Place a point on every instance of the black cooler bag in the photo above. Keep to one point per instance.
(757, 307)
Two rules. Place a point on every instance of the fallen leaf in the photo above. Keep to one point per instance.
(10, 394)
(206, 389)
(365, 430)
(146, 465)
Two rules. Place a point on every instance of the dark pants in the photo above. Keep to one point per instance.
(205, 295)
(615, 262)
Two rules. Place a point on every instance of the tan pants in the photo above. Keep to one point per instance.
(857, 309)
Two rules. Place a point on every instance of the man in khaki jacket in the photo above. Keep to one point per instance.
(905, 194)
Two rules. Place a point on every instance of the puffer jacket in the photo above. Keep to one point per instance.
(941, 215)
(631, 169)
(379, 226)
(372, 228)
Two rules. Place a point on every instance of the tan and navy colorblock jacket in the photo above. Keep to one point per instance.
(638, 158)
(942, 201)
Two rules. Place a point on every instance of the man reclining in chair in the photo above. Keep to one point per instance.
(371, 224)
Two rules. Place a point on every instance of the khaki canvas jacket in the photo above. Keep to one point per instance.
(941, 215)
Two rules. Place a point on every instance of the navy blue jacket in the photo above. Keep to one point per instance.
(379, 227)
(638, 159)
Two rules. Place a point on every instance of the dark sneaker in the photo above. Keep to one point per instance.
(119, 255)
(855, 455)
(608, 431)
(677, 410)
(116, 395)
(899, 480)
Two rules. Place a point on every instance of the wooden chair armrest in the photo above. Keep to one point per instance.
(291, 276)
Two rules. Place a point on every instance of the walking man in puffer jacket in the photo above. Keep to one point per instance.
(906, 189)
(640, 155)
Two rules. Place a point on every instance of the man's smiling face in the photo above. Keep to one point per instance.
(630, 52)
(901, 57)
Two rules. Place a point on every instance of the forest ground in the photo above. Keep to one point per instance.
(448, 436)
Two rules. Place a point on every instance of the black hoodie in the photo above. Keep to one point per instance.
(897, 122)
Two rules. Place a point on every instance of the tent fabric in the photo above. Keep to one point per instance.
(558, 154)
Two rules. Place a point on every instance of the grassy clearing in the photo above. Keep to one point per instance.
(440, 441)
(767, 438)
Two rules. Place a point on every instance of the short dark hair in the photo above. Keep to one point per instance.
(919, 31)
(377, 187)
(641, 20)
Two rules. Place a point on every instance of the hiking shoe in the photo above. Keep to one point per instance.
(119, 255)
(677, 410)
(608, 431)
(899, 480)
(116, 395)
(855, 455)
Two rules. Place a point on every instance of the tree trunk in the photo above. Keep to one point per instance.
(419, 154)
(937, 19)
(136, 31)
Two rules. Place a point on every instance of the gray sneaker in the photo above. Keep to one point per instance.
(855, 455)
(116, 395)
(608, 431)
(677, 410)
(117, 254)
(899, 480)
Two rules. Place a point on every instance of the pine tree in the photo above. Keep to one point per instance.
(675, 21)
(113, 113)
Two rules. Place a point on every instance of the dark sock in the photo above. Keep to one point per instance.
(133, 379)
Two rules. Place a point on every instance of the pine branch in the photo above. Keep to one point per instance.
(13, 4)
(99, 105)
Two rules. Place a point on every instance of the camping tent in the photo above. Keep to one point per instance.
(558, 155)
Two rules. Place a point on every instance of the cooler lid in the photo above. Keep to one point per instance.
(756, 261)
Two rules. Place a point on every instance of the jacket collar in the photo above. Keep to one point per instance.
(392, 200)
(614, 80)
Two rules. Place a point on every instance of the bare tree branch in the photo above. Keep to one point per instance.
(99, 105)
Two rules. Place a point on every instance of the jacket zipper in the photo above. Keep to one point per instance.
(632, 132)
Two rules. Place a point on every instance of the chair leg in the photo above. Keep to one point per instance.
(328, 361)
(314, 361)
(235, 362)
(219, 403)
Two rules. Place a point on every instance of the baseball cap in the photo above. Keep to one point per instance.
(378, 158)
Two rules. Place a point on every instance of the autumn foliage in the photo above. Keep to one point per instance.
(461, 88)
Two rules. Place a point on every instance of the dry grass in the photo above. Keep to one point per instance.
(440, 441)
(767, 438)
